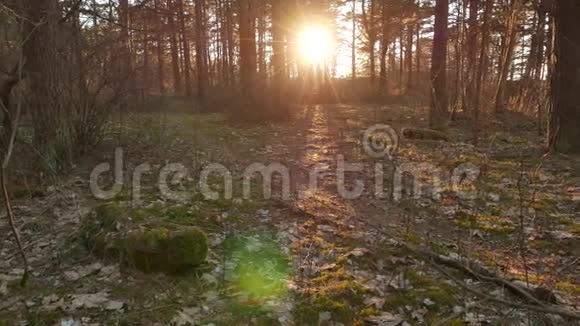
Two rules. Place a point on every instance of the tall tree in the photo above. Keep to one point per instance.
(385, 40)
(369, 24)
(185, 47)
(247, 46)
(439, 100)
(174, 48)
(564, 134)
(472, 53)
(353, 67)
(159, 22)
(509, 43)
(200, 46)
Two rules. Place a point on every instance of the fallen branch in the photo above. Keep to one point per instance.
(436, 261)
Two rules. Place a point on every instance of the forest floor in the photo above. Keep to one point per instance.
(316, 258)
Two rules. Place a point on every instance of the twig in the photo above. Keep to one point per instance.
(431, 259)
(538, 308)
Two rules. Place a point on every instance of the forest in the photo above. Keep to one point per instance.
(290, 162)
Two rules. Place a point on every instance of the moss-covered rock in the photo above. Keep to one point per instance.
(111, 232)
(424, 134)
(164, 250)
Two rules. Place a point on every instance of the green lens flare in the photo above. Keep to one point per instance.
(260, 268)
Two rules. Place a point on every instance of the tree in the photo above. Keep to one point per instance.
(159, 21)
(507, 50)
(247, 47)
(185, 47)
(279, 46)
(200, 46)
(177, 85)
(439, 100)
(385, 41)
(564, 134)
(371, 33)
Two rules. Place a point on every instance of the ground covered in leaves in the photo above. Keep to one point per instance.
(314, 258)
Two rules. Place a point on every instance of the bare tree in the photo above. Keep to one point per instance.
(439, 101)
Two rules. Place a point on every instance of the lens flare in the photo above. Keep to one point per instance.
(315, 45)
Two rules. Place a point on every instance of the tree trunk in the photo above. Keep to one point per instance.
(353, 41)
(384, 49)
(564, 134)
(174, 47)
(482, 67)
(507, 54)
(200, 46)
(185, 46)
(409, 55)
(45, 68)
(439, 105)
(472, 54)
(160, 48)
(247, 47)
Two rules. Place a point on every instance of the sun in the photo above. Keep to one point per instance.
(315, 44)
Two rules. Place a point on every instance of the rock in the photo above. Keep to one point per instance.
(109, 232)
(424, 134)
(494, 197)
(327, 228)
(164, 250)
(561, 235)
(324, 316)
(89, 301)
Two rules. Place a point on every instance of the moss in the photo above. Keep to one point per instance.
(488, 223)
(162, 250)
(424, 287)
(110, 232)
(574, 229)
(98, 225)
(442, 296)
(109, 215)
(336, 292)
(307, 311)
(419, 279)
(424, 134)
(568, 287)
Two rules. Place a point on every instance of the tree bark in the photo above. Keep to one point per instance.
(185, 47)
(384, 48)
(564, 134)
(247, 47)
(174, 47)
(200, 46)
(472, 54)
(439, 100)
(507, 54)
(159, 22)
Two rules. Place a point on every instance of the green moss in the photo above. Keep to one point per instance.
(419, 279)
(424, 287)
(442, 296)
(568, 287)
(574, 229)
(162, 250)
(488, 223)
(109, 215)
(110, 232)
